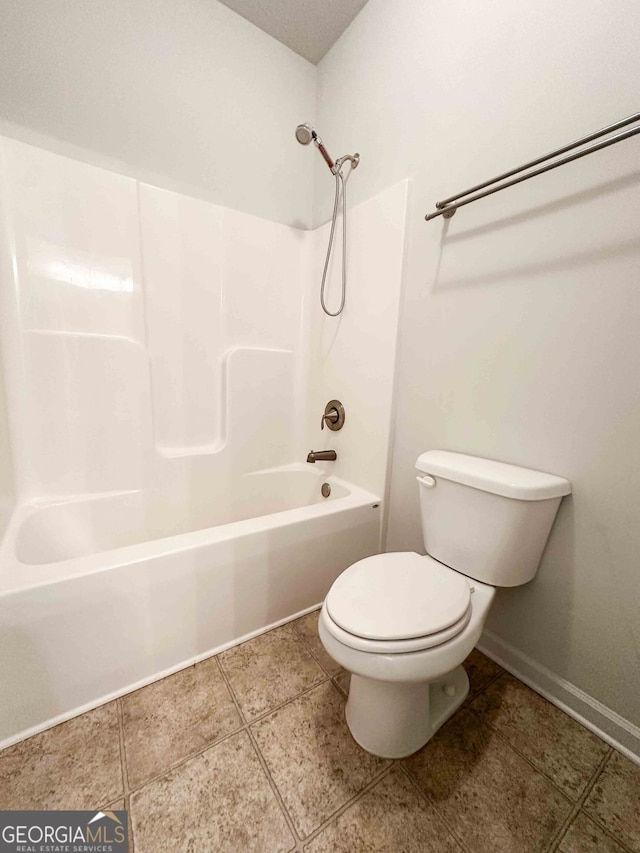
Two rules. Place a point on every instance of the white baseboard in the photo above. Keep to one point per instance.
(593, 715)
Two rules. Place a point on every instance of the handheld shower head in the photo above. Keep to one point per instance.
(305, 133)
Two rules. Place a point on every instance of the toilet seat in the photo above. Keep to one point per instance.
(396, 647)
(399, 602)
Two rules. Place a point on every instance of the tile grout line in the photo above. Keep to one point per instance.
(344, 692)
(303, 642)
(263, 763)
(276, 793)
(622, 844)
(345, 806)
(577, 807)
(123, 752)
(325, 677)
(426, 797)
(125, 775)
(308, 645)
(590, 786)
(592, 817)
(323, 668)
(479, 691)
(132, 842)
(134, 789)
(486, 685)
(265, 714)
(526, 758)
(232, 694)
(473, 694)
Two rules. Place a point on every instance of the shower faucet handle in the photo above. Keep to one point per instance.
(333, 415)
(330, 417)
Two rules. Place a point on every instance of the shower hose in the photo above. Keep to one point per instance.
(340, 179)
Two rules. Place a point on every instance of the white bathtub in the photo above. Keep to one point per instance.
(102, 595)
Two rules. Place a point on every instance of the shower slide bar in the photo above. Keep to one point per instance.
(447, 208)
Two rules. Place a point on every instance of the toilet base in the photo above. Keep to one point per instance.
(393, 720)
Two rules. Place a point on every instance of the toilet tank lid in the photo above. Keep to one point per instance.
(511, 481)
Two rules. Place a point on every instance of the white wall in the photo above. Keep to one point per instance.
(519, 333)
(186, 95)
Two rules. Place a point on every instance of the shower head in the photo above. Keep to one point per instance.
(305, 133)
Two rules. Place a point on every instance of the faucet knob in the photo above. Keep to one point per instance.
(333, 416)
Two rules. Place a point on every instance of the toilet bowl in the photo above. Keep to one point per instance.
(402, 623)
(402, 691)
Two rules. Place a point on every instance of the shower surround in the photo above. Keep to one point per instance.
(165, 365)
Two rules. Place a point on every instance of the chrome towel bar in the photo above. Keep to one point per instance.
(447, 208)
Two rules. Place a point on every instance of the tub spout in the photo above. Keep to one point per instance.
(322, 456)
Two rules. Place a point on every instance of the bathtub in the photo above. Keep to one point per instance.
(101, 595)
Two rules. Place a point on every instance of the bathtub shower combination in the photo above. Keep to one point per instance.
(165, 366)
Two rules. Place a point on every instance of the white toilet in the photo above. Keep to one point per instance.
(402, 623)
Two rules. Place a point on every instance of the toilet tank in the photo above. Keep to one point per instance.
(486, 519)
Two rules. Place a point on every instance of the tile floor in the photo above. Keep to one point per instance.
(248, 751)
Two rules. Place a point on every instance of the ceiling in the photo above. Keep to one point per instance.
(309, 27)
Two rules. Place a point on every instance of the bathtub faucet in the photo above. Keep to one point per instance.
(322, 456)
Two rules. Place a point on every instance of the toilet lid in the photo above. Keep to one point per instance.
(398, 597)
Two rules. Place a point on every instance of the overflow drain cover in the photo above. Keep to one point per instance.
(326, 490)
